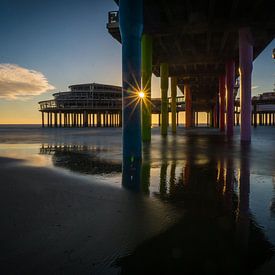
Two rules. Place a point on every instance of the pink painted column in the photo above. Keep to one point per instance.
(188, 106)
(222, 102)
(246, 66)
(230, 81)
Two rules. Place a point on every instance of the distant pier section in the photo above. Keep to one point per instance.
(100, 105)
(90, 105)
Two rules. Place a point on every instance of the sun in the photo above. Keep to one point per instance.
(141, 94)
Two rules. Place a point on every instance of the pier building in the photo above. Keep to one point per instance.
(84, 105)
(92, 105)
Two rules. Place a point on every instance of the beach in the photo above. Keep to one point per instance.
(64, 210)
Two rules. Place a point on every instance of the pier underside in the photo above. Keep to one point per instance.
(198, 43)
(196, 38)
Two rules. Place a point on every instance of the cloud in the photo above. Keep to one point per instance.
(254, 87)
(20, 83)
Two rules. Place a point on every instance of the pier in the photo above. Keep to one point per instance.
(85, 105)
(92, 105)
(202, 46)
(99, 105)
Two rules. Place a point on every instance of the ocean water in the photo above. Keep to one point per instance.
(220, 194)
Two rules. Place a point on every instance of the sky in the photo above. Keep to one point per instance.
(47, 45)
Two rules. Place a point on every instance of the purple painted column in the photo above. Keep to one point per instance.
(246, 66)
(230, 81)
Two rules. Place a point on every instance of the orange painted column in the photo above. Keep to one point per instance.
(222, 102)
(188, 106)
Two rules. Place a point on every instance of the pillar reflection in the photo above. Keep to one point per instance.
(172, 181)
(243, 214)
(145, 169)
(163, 168)
(229, 184)
(272, 204)
(131, 174)
(136, 173)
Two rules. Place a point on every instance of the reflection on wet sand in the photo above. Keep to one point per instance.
(80, 158)
(272, 204)
(216, 234)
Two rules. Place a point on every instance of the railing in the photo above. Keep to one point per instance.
(100, 103)
(110, 105)
(113, 19)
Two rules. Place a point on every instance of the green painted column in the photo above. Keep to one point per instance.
(174, 103)
(146, 75)
(164, 97)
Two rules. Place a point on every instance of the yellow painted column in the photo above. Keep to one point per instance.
(164, 97)
(174, 103)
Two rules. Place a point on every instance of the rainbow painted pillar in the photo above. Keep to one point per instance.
(230, 82)
(246, 66)
(146, 75)
(164, 97)
(131, 27)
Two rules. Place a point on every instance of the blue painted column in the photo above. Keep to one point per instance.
(131, 27)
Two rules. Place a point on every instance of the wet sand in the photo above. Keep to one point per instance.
(205, 205)
(52, 223)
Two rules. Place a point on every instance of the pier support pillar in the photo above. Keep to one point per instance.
(193, 118)
(85, 119)
(255, 115)
(246, 66)
(51, 121)
(66, 119)
(98, 120)
(188, 106)
(164, 97)
(146, 75)
(60, 119)
(222, 102)
(211, 118)
(174, 103)
(43, 124)
(217, 114)
(230, 82)
(120, 119)
(48, 119)
(131, 27)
